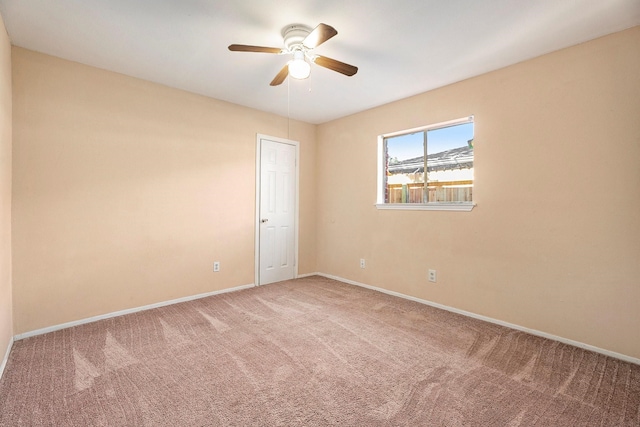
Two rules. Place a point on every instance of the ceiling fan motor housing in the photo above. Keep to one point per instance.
(293, 36)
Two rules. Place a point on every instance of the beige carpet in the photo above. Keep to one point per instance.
(310, 352)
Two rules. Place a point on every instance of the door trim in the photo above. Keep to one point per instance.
(259, 138)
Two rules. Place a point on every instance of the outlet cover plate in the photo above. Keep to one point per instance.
(432, 276)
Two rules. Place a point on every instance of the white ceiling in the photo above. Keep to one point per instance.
(402, 47)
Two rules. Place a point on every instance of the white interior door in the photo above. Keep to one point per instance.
(277, 211)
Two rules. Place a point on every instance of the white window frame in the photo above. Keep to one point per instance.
(430, 206)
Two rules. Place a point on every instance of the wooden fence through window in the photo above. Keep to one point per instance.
(451, 191)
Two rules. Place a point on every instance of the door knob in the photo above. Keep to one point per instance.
(264, 220)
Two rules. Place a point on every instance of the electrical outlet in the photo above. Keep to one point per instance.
(216, 266)
(432, 276)
(362, 263)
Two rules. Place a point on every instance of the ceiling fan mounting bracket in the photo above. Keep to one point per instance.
(293, 36)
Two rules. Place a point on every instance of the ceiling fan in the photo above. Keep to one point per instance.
(300, 40)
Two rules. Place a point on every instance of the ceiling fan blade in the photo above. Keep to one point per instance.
(248, 48)
(279, 78)
(332, 64)
(319, 35)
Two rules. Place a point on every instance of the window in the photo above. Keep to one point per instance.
(428, 168)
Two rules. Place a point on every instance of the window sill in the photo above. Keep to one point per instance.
(463, 207)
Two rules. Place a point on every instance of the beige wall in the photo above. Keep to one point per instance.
(554, 242)
(6, 325)
(125, 191)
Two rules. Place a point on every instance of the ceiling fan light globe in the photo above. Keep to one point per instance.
(299, 69)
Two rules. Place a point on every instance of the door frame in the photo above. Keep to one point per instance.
(296, 144)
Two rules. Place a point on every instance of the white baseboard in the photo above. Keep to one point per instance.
(5, 359)
(491, 320)
(127, 311)
(300, 276)
(340, 279)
